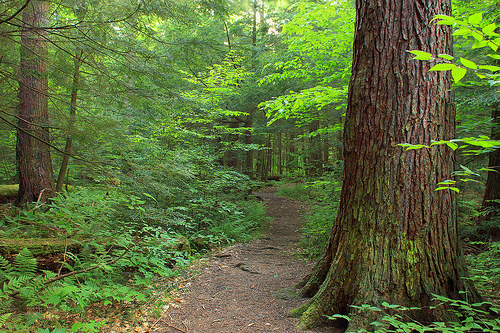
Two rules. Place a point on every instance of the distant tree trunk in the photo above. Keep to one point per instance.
(34, 163)
(254, 34)
(230, 154)
(326, 152)
(314, 164)
(266, 159)
(491, 198)
(395, 238)
(249, 154)
(280, 154)
(72, 117)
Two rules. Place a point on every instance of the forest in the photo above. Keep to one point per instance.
(135, 136)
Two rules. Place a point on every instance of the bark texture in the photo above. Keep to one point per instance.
(394, 239)
(32, 150)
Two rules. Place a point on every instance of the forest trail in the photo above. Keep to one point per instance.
(241, 288)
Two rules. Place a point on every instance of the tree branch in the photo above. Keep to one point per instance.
(16, 13)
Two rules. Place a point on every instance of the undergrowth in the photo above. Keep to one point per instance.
(476, 317)
(115, 245)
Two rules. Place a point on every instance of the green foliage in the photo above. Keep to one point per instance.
(480, 145)
(118, 246)
(483, 35)
(317, 228)
(319, 40)
(477, 317)
(485, 268)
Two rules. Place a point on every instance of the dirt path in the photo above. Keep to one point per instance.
(241, 288)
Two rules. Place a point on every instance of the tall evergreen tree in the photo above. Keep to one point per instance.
(33, 151)
(395, 238)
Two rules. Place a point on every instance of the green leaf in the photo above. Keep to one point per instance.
(468, 63)
(452, 145)
(335, 316)
(493, 45)
(490, 68)
(458, 73)
(478, 36)
(475, 19)
(421, 55)
(445, 56)
(441, 188)
(442, 67)
(448, 20)
(480, 44)
(462, 32)
(409, 146)
(494, 56)
(490, 29)
(447, 182)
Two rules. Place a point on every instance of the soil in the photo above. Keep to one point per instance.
(247, 287)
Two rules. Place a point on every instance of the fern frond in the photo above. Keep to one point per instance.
(25, 264)
(5, 269)
(3, 318)
(16, 283)
(4, 264)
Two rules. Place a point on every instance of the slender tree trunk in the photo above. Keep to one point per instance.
(249, 154)
(314, 166)
(395, 238)
(34, 163)
(72, 117)
(280, 154)
(254, 34)
(491, 198)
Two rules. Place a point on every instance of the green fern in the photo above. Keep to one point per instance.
(25, 264)
(3, 318)
(5, 269)
(19, 278)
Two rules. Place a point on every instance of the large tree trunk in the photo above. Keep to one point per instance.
(395, 238)
(33, 152)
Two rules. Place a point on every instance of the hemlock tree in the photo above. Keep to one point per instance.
(395, 238)
(33, 151)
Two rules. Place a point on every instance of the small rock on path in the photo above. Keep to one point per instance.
(242, 289)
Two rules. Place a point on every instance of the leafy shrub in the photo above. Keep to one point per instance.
(485, 268)
(297, 191)
(477, 317)
(317, 227)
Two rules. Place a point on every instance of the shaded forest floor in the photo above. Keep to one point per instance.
(246, 287)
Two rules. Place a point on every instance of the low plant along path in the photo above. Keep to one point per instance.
(244, 288)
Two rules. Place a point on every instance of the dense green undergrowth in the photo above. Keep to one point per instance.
(105, 246)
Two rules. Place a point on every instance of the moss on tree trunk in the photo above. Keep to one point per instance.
(395, 238)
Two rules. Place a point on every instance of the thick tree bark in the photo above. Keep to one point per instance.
(395, 238)
(33, 152)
